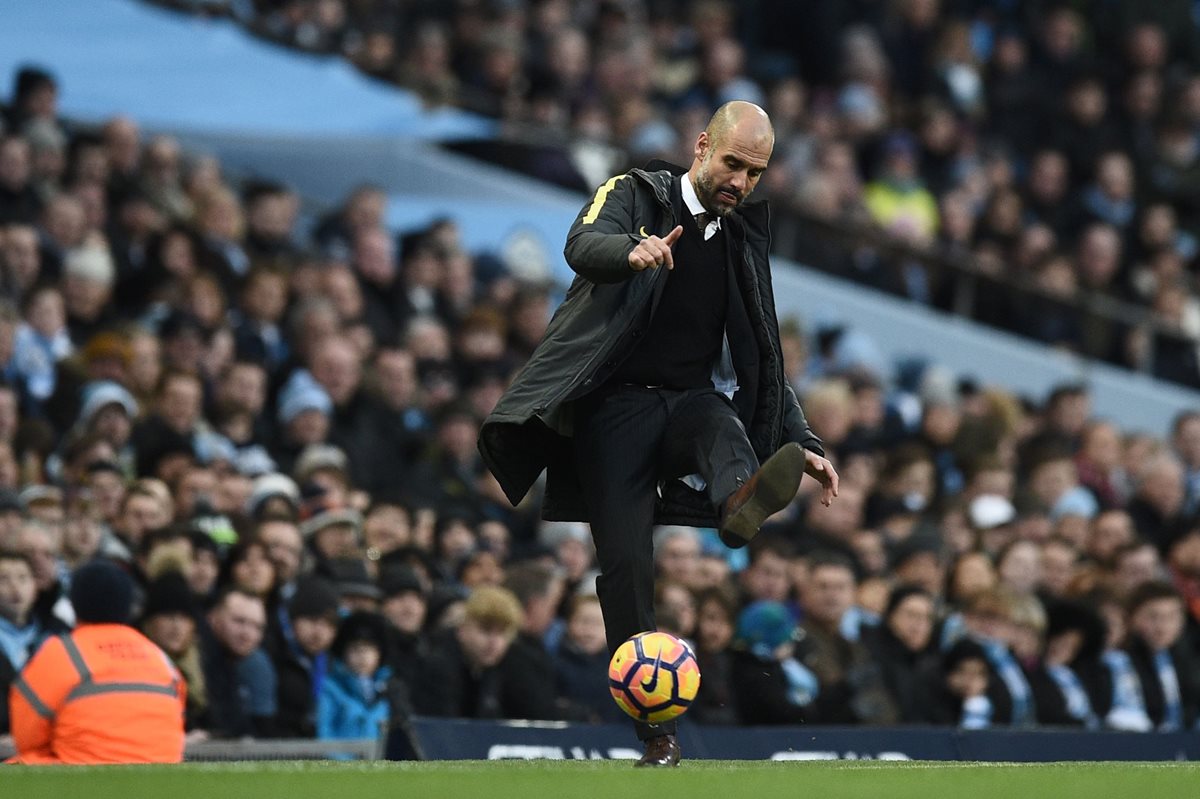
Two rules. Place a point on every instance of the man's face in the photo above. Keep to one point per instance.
(238, 623)
(314, 634)
(968, 679)
(484, 646)
(729, 169)
(678, 559)
(912, 622)
(1159, 622)
(180, 404)
(173, 632)
(42, 546)
(17, 590)
(244, 388)
(1136, 567)
(767, 578)
(337, 541)
(406, 611)
(142, 513)
(828, 594)
(284, 547)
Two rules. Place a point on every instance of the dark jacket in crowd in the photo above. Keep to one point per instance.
(716, 702)
(582, 681)
(902, 671)
(606, 310)
(1152, 689)
(852, 687)
(762, 692)
(233, 709)
(450, 687)
(299, 675)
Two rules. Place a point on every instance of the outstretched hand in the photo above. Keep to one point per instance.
(651, 252)
(822, 471)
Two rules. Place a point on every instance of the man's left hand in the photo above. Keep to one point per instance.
(821, 470)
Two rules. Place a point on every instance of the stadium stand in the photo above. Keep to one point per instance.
(267, 412)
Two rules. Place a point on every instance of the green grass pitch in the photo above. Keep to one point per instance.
(567, 779)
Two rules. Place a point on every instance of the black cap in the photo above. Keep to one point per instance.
(315, 598)
(360, 626)
(169, 593)
(101, 593)
(351, 577)
(400, 579)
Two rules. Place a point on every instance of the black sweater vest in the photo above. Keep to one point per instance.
(685, 335)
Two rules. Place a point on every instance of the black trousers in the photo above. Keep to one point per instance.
(627, 439)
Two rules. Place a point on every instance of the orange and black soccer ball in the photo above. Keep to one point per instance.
(654, 677)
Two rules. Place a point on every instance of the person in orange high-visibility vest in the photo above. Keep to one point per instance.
(103, 693)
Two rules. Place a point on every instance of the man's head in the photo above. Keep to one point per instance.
(285, 547)
(314, 612)
(767, 577)
(731, 155)
(17, 589)
(101, 593)
(677, 553)
(830, 589)
(539, 589)
(170, 613)
(492, 618)
(1156, 615)
(238, 621)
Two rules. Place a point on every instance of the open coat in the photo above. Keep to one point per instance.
(601, 321)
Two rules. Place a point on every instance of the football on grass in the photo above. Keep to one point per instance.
(654, 677)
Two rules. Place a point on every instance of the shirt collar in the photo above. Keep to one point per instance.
(693, 203)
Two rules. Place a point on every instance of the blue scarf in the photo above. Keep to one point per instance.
(803, 685)
(976, 713)
(1169, 681)
(17, 642)
(1013, 677)
(1079, 707)
(1128, 707)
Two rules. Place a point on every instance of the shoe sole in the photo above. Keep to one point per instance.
(778, 481)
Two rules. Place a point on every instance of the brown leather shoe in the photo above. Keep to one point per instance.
(768, 491)
(661, 750)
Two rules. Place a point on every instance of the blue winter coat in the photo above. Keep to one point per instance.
(346, 709)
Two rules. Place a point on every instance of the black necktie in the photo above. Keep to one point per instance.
(702, 221)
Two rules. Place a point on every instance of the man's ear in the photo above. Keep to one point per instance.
(702, 144)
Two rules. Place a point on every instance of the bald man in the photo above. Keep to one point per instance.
(659, 387)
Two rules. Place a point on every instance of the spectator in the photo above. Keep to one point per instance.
(1162, 657)
(20, 632)
(901, 644)
(170, 618)
(852, 689)
(466, 675)
(961, 687)
(302, 660)
(241, 681)
(581, 663)
(352, 702)
(772, 684)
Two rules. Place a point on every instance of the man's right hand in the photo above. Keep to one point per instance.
(652, 252)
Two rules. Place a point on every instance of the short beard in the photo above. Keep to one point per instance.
(706, 191)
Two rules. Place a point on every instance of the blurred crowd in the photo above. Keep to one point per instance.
(1050, 145)
(271, 425)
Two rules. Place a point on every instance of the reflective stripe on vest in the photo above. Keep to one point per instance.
(33, 699)
(97, 688)
(89, 687)
(85, 674)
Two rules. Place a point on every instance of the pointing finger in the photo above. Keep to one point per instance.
(674, 235)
